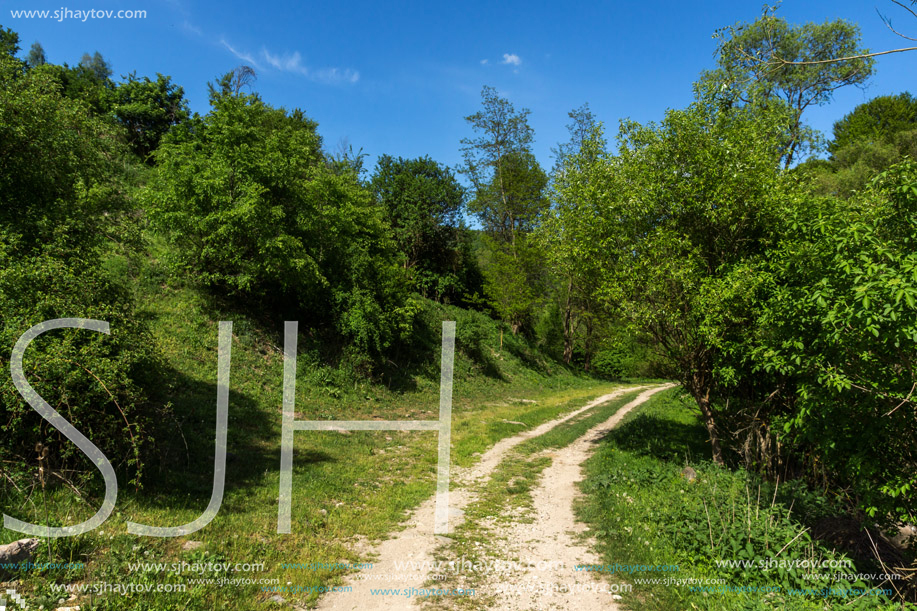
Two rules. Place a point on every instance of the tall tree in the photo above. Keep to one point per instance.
(581, 127)
(424, 203)
(501, 168)
(841, 324)
(234, 81)
(36, 56)
(746, 66)
(97, 65)
(148, 109)
(253, 211)
(694, 204)
(867, 141)
(62, 199)
(573, 246)
(89, 81)
(508, 196)
(9, 42)
(877, 120)
(72, 190)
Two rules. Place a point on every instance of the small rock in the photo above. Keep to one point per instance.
(18, 551)
(689, 474)
(277, 598)
(907, 535)
(191, 545)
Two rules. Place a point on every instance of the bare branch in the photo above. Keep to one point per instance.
(888, 24)
(784, 62)
(907, 8)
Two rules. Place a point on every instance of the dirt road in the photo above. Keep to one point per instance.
(405, 560)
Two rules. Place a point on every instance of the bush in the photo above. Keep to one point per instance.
(722, 524)
(61, 201)
(841, 327)
(91, 379)
(252, 210)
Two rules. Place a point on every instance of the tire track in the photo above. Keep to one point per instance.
(416, 542)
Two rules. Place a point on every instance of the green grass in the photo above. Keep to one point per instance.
(347, 487)
(507, 497)
(645, 512)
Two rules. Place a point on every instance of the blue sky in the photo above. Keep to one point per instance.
(398, 77)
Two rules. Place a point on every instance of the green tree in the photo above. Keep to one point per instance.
(514, 270)
(423, 203)
(62, 196)
(583, 122)
(507, 183)
(877, 120)
(234, 81)
(88, 82)
(252, 210)
(772, 60)
(97, 65)
(688, 216)
(148, 109)
(867, 141)
(508, 196)
(840, 325)
(574, 246)
(36, 56)
(9, 42)
(514, 281)
(57, 167)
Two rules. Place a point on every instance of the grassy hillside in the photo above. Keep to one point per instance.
(348, 487)
(690, 534)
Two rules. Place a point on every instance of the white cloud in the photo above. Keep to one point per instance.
(293, 63)
(484, 62)
(287, 63)
(248, 59)
(190, 27)
(512, 59)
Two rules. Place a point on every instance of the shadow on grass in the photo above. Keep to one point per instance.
(661, 438)
(181, 471)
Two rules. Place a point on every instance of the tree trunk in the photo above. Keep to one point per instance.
(588, 344)
(703, 402)
(568, 325)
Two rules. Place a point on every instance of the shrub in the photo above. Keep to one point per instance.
(61, 200)
(252, 210)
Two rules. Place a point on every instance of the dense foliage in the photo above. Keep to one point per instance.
(875, 135)
(423, 203)
(840, 327)
(62, 198)
(782, 295)
(252, 211)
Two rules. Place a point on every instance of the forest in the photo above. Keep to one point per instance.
(767, 269)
